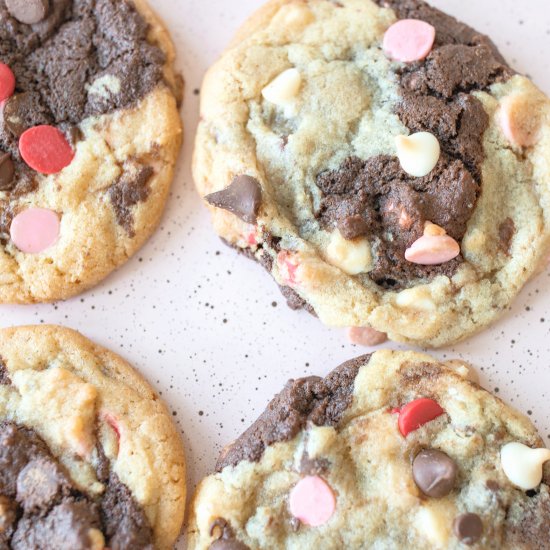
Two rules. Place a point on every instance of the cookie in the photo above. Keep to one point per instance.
(382, 161)
(89, 456)
(392, 450)
(89, 137)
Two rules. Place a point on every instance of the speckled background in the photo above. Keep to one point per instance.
(210, 329)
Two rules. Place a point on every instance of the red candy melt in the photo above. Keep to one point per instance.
(45, 149)
(417, 413)
(7, 82)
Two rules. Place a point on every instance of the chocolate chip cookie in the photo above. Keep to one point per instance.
(392, 450)
(382, 161)
(89, 456)
(89, 136)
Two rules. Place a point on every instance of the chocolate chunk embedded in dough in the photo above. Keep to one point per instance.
(130, 189)
(242, 198)
(7, 172)
(468, 528)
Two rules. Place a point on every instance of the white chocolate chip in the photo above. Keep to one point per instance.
(418, 153)
(105, 86)
(433, 522)
(352, 256)
(415, 298)
(464, 369)
(433, 230)
(523, 465)
(97, 541)
(284, 87)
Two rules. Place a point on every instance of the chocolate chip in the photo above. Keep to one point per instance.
(506, 232)
(222, 531)
(130, 189)
(468, 528)
(7, 171)
(74, 135)
(15, 111)
(28, 11)
(434, 473)
(313, 466)
(4, 378)
(242, 198)
(40, 483)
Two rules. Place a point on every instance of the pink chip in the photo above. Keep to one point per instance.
(366, 336)
(518, 123)
(35, 230)
(409, 40)
(7, 82)
(432, 250)
(312, 501)
(288, 264)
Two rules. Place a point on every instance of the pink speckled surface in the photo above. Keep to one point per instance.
(210, 329)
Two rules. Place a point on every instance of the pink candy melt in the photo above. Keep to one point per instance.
(515, 124)
(432, 250)
(409, 40)
(35, 230)
(288, 266)
(312, 501)
(45, 149)
(7, 82)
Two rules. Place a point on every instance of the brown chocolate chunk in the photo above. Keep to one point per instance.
(225, 537)
(322, 402)
(4, 378)
(67, 525)
(7, 172)
(29, 12)
(313, 466)
(506, 232)
(130, 189)
(434, 473)
(23, 111)
(40, 483)
(468, 528)
(242, 198)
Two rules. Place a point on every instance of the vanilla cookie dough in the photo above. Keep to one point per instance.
(390, 451)
(382, 161)
(89, 456)
(89, 136)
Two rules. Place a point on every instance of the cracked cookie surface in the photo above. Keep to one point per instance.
(89, 455)
(337, 212)
(400, 475)
(100, 72)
